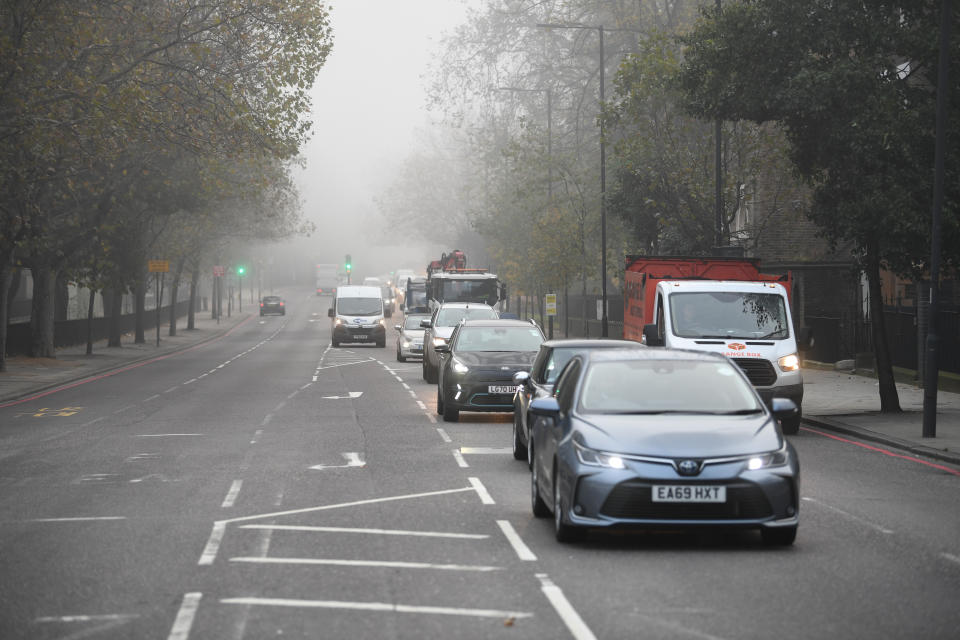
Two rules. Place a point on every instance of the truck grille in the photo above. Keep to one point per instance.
(760, 372)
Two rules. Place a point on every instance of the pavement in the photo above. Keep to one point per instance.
(842, 402)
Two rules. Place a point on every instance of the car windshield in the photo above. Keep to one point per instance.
(725, 315)
(360, 306)
(413, 322)
(452, 315)
(499, 339)
(666, 386)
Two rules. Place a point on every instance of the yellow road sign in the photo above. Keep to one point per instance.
(551, 304)
(159, 266)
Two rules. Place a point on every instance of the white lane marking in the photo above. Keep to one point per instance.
(181, 626)
(355, 503)
(578, 628)
(164, 435)
(350, 396)
(304, 386)
(399, 379)
(293, 395)
(406, 386)
(190, 381)
(389, 564)
(122, 409)
(951, 557)
(170, 390)
(266, 419)
(353, 460)
(345, 364)
(222, 365)
(378, 606)
(103, 617)
(280, 406)
(867, 523)
(213, 544)
(256, 436)
(421, 405)
(443, 434)
(77, 519)
(432, 418)
(481, 490)
(94, 421)
(519, 546)
(153, 397)
(152, 476)
(485, 450)
(314, 379)
(413, 394)
(232, 494)
(378, 532)
(459, 458)
(143, 456)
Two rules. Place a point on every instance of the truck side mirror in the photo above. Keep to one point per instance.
(651, 337)
(330, 312)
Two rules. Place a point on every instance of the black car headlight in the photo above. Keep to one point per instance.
(596, 458)
(764, 460)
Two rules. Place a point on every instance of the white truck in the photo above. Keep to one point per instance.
(724, 305)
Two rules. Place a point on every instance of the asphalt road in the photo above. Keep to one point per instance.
(266, 485)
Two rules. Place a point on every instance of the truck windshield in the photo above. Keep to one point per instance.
(359, 306)
(729, 314)
(484, 291)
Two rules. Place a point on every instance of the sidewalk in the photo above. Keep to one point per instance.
(26, 377)
(837, 401)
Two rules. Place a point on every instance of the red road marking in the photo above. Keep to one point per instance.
(121, 370)
(885, 452)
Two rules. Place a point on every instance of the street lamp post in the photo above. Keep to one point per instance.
(603, 172)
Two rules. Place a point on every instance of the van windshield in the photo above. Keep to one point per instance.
(359, 306)
(729, 314)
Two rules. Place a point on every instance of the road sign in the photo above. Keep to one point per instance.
(159, 266)
(551, 304)
(219, 270)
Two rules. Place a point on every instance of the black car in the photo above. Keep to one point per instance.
(662, 438)
(538, 383)
(477, 365)
(273, 305)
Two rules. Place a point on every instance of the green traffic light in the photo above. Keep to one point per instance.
(241, 270)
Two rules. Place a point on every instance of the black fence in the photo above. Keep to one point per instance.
(67, 333)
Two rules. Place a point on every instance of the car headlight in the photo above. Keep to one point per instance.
(772, 459)
(459, 367)
(406, 344)
(598, 458)
(337, 322)
(439, 341)
(789, 363)
(383, 323)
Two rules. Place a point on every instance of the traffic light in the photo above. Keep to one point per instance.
(241, 270)
(349, 264)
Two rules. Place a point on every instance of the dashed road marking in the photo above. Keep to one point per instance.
(443, 434)
(459, 458)
(875, 527)
(577, 627)
(481, 490)
(522, 550)
(184, 621)
(232, 494)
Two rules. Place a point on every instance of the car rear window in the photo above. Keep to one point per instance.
(451, 316)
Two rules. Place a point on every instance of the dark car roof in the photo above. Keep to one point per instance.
(651, 354)
(592, 343)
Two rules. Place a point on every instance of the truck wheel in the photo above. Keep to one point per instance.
(791, 426)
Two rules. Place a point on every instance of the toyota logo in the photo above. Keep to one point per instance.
(737, 346)
(688, 467)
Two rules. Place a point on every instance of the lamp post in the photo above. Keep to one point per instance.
(603, 171)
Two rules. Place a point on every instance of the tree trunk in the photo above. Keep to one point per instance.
(41, 312)
(6, 277)
(889, 400)
(93, 297)
(61, 299)
(116, 311)
(174, 292)
(140, 298)
(191, 313)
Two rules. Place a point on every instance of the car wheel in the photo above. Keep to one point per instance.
(450, 414)
(430, 372)
(439, 402)
(563, 531)
(791, 426)
(779, 536)
(519, 449)
(335, 343)
(540, 509)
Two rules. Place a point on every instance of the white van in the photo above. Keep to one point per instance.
(357, 316)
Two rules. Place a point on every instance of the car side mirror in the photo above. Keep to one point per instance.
(545, 407)
(783, 408)
(651, 336)
(442, 348)
(520, 378)
(425, 324)
(397, 327)
(330, 312)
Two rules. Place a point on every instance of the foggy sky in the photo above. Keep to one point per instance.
(368, 101)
